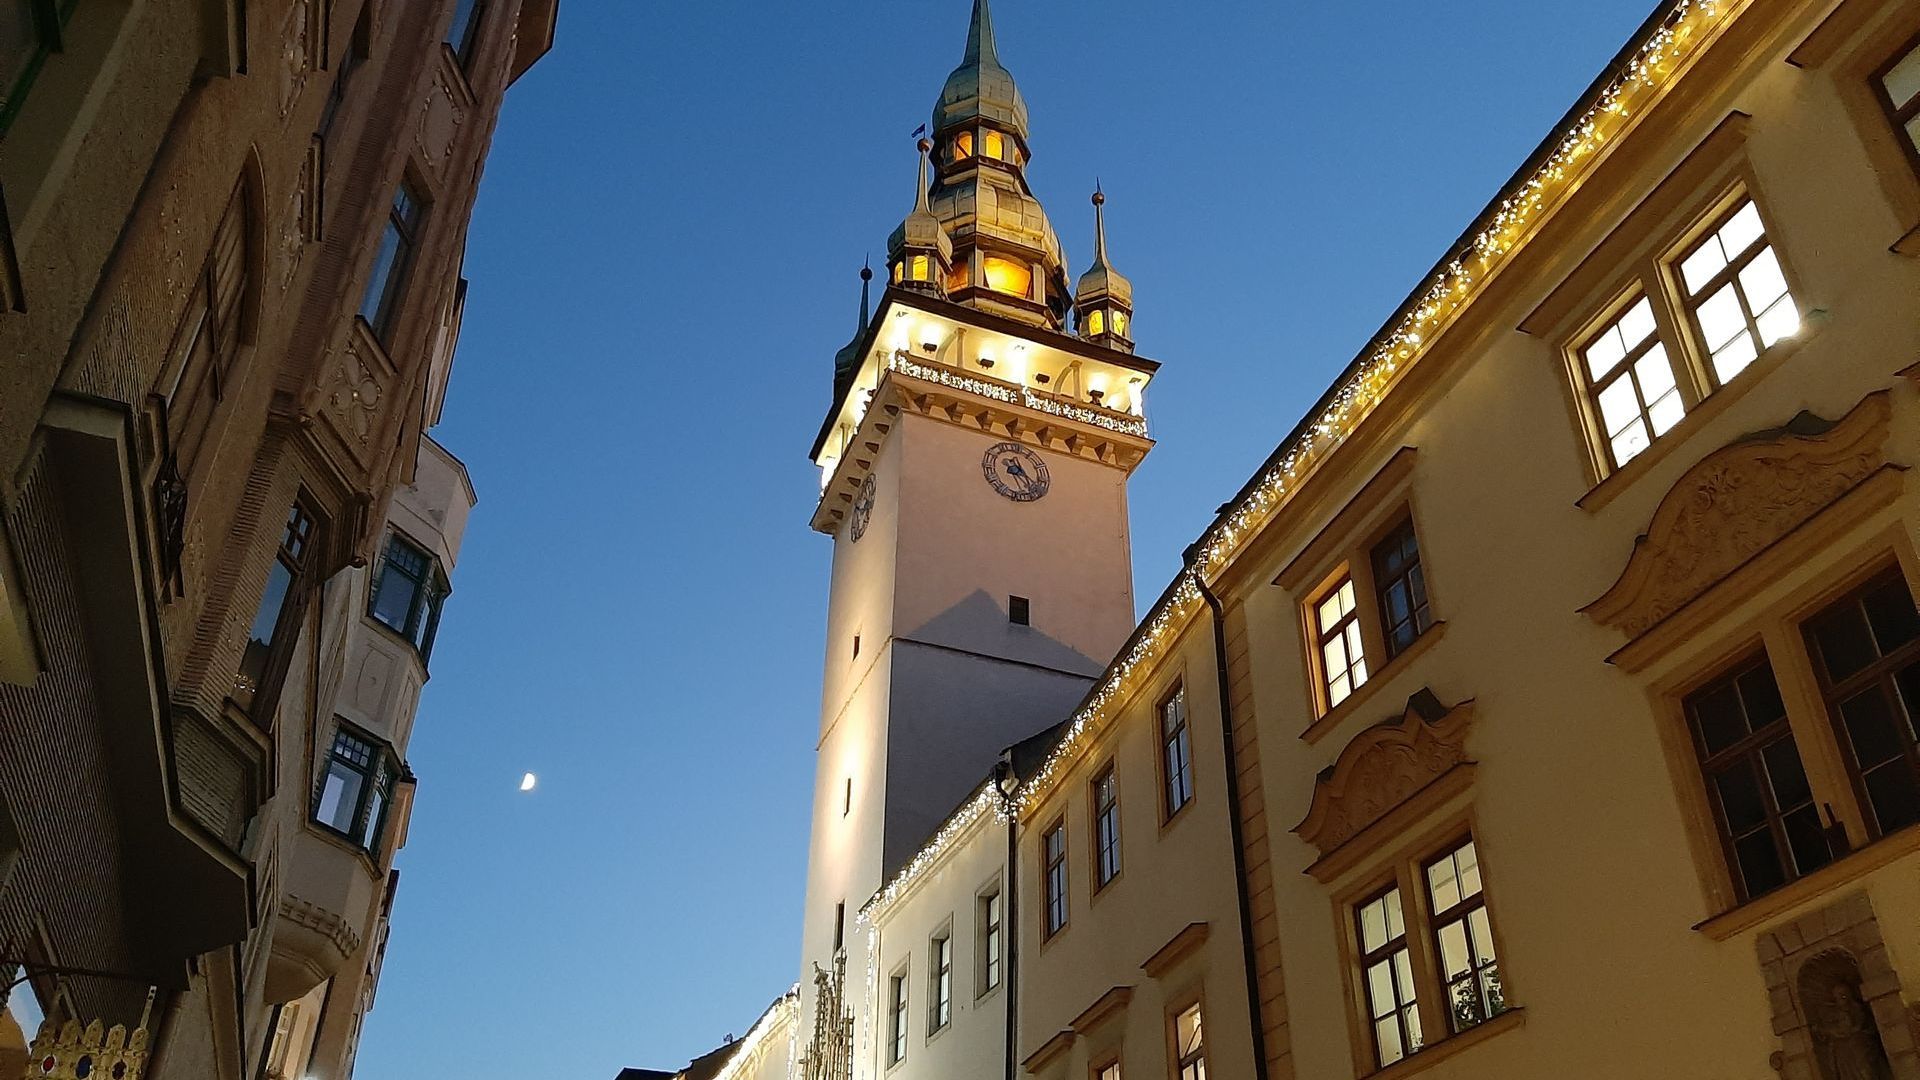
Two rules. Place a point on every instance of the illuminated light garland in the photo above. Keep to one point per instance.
(1017, 395)
(1683, 34)
(787, 1006)
(984, 801)
(1173, 612)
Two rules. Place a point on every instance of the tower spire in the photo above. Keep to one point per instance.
(980, 46)
(1103, 300)
(866, 293)
(919, 253)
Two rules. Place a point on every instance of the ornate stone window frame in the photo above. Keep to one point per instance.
(1756, 539)
(1343, 549)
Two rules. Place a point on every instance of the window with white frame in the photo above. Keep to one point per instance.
(1631, 379)
(991, 943)
(897, 1019)
(940, 976)
(356, 788)
(1190, 1044)
(1106, 827)
(1176, 753)
(1343, 657)
(1053, 876)
(1736, 292)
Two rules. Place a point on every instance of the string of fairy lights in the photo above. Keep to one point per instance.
(787, 1009)
(1016, 395)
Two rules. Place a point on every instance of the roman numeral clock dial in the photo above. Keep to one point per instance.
(1015, 471)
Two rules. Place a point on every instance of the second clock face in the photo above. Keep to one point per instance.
(862, 509)
(1015, 471)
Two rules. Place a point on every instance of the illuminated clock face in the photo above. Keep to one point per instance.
(1015, 471)
(862, 509)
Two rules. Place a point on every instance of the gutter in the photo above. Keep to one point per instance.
(1009, 935)
(1233, 818)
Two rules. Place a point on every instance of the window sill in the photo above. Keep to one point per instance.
(1715, 403)
(1337, 715)
(1908, 245)
(1814, 886)
(1435, 1053)
(370, 861)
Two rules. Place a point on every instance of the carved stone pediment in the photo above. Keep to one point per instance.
(1737, 502)
(1383, 767)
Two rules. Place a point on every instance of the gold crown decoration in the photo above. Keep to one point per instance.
(96, 1052)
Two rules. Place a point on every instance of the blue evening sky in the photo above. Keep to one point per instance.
(664, 261)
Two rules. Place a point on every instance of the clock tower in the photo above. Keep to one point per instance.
(973, 478)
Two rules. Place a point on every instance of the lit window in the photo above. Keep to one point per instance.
(990, 941)
(391, 261)
(1763, 807)
(1386, 969)
(956, 277)
(1120, 321)
(356, 788)
(1053, 863)
(1737, 293)
(1866, 654)
(1898, 87)
(464, 31)
(1109, 1071)
(408, 593)
(1343, 659)
(1007, 276)
(1402, 589)
(995, 145)
(963, 145)
(920, 271)
(1176, 752)
(897, 272)
(1469, 973)
(1096, 322)
(1630, 378)
(276, 620)
(1190, 1044)
(942, 957)
(1106, 828)
(897, 1031)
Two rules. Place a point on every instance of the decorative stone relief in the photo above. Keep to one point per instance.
(1735, 503)
(1835, 997)
(439, 124)
(1383, 767)
(297, 42)
(353, 396)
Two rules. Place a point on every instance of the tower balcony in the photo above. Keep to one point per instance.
(331, 892)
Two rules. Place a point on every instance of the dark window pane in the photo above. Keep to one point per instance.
(1870, 728)
(373, 303)
(1789, 778)
(393, 598)
(1843, 642)
(1717, 716)
(1891, 613)
(1907, 686)
(279, 582)
(1760, 693)
(1894, 795)
(1807, 840)
(1740, 798)
(1759, 862)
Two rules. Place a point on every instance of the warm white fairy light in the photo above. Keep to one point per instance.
(1682, 35)
(904, 363)
(787, 1008)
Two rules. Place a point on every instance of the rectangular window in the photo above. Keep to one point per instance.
(1189, 1044)
(839, 925)
(1108, 1071)
(941, 956)
(897, 1029)
(1736, 293)
(1463, 939)
(359, 47)
(408, 593)
(356, 788)
(990, 942)
(1763, 806)
(1897, 85)
(1053, 873)
(1401, 586)
(1386, 971)
(464, 31)
(30, 33)
(1343, 659)
(276, 620)
(1176, 752)
(1866, 654)
(1106, 828)
(1019, 611)
(1631, 382)
(392, 261)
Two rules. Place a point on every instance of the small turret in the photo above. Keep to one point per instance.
(1103, 300)
(846, 362)
(919, 253)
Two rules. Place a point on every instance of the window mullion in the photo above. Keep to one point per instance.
(1427, 978)
(1675, 331)
(1815, 735)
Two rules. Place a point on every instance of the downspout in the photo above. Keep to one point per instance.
(1233, 817)
(1003, 778)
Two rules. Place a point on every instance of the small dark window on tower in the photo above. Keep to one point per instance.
(856, 646)
(839, 925)
(846, 799)
(1017, 611)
